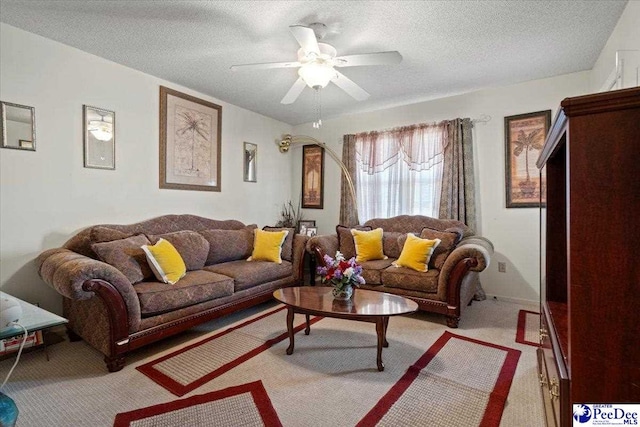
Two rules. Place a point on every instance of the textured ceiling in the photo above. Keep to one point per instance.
(448, 47)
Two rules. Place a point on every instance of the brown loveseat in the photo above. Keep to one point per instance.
(119, 306)
(452, 279)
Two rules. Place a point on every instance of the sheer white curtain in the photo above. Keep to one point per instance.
(399, 171)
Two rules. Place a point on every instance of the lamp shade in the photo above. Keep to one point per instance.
(101, 130)
(316, 74)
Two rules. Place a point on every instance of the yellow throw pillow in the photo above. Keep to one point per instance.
(267, 245)
(416, 253)
(165, 261)
(368, 244)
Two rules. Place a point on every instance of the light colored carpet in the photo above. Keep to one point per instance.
(528, 328)
(190, 366)
(244, 405)
(456, 372)
(318, 385)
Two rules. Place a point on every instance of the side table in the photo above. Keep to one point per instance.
(33, 319)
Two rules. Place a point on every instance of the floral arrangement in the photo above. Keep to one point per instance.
(341, 273)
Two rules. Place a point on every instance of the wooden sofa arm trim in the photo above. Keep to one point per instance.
(319, 254)
(118, 321)
(455, 282)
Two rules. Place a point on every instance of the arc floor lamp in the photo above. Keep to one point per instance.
(292, 140)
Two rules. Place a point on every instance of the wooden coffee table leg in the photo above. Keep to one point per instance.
(386, 325)
(308, 328)
(380, 330)
(290, 329)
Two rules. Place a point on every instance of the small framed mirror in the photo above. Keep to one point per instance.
(18, 126)
(99, 138)
(250, 162)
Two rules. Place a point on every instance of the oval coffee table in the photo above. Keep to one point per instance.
(364, 306)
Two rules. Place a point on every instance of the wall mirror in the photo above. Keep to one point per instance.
(99, 138)
(250, 162)
(18, 126)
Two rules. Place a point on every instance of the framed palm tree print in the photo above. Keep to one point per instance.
(190, 130)
(312, 177)
(524, 137)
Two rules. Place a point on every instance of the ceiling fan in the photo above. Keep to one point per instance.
(318, 62)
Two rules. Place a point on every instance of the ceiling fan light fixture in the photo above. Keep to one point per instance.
(317, 74)
(101, 130)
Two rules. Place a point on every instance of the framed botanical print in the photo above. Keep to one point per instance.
(190, 133)
(312, 177)
(524, 138)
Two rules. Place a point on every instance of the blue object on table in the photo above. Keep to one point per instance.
(8, 411)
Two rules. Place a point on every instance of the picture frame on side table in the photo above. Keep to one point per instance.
(190, 142)
(99, 137)
(250, 159)
(311, 231)
(312, 177)
(304, 224)
(524, 138)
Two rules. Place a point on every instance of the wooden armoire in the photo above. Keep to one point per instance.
(590, 254)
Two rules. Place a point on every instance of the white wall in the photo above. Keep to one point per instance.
(514, 232)
(46, 196)
(625, 36)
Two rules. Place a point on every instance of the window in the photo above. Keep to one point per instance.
(400, 171)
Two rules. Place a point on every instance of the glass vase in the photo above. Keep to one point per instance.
(343, 294)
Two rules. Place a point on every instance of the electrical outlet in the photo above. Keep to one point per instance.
(502, 267)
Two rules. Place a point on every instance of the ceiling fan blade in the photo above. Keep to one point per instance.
(378, 58)
(294, 92)
(265, 65)
(306, 38)
(347, 85)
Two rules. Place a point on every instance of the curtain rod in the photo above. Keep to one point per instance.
(483, 118)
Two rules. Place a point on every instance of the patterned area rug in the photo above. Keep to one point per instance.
(330, 380)
(244, 405)
(190, 367)
(528, 328)
(459, 381)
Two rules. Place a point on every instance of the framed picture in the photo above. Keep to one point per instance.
(17, 126)
(311, 231)
(99, 137)
(524, 137)
(312, 177)
(303, 225)
(250, 159)
(190, 133)
(26, 144)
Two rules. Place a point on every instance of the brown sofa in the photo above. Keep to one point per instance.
(452, 279)
(118, 306)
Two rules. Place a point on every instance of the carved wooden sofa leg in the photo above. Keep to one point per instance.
(452, 322)
(115, 364)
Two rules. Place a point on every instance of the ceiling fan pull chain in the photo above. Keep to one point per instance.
(318, 102)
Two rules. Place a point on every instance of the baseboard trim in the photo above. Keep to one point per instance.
(516, 300)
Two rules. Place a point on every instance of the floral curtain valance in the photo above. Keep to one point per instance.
(420, 146)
